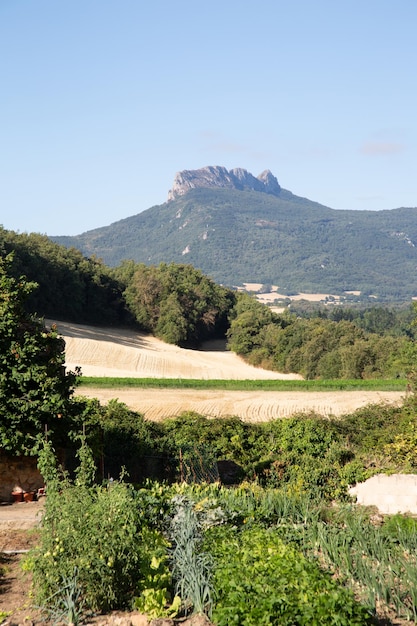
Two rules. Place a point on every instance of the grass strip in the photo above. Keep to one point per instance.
(396, 384)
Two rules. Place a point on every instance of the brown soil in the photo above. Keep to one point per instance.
(18, 533)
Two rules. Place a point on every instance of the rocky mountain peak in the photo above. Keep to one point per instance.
(217, 176)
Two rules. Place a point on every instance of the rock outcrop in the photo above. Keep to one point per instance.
(217, 176)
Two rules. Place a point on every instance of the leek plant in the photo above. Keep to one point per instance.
(191, 567)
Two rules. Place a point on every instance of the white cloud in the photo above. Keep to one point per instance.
(375, 148)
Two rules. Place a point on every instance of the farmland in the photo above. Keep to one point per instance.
(127, 354)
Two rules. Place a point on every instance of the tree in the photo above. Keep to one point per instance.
(177, 303)
(35, 389)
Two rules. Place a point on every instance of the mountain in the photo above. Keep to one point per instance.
(218, 177)
(239, 228)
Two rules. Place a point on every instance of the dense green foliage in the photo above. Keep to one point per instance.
(121, 438)
(246, 236)
(101, 532)
(382, 320)
(181, 305)
(175, 302)
(35, 389)
(315, 347)
(279, 585)
(178, 303)
(304, 453)
(70, 286)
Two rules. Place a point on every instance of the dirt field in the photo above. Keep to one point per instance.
(124, 353)
(112, 352)
(250, 406)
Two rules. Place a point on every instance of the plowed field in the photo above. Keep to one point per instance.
(123, 353)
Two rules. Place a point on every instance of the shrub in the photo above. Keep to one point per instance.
(99, 531)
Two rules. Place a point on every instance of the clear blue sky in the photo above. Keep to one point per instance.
(103, 101)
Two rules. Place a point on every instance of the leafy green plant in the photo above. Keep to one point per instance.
(35, 389)
(279, 586)
(178, 303)
(155, 597)
(375, 561)
(401, 529)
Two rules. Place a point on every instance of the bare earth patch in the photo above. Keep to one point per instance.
(18, 523)
(125, 353)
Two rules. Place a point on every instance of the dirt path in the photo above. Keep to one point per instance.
(20, 515)
(18, 534)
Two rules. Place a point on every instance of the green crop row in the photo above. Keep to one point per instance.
(395, 384)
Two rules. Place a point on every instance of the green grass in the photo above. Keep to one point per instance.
(396, 384)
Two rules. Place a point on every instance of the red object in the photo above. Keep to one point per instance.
(17, 496)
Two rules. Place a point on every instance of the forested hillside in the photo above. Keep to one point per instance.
(238, 236)
(70, 285)
(181, 305)
(317, 347)
(175, 302)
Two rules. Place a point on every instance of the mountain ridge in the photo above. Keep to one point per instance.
(235, 234)
(216, 176)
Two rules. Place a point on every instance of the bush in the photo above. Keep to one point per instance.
(99, 531)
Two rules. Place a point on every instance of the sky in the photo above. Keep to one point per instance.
(103, 101)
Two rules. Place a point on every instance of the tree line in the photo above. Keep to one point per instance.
(318, 347)
(181, 305)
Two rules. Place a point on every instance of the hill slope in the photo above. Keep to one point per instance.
(120, 353)
(125, 353)
(244, 235)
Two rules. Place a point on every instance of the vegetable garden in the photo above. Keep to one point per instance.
(285, 552)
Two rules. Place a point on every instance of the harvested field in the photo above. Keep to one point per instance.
(250, 406)
(123, 353)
